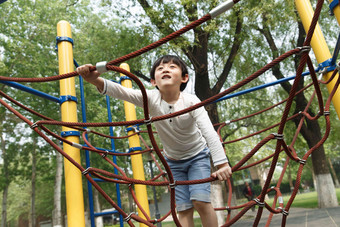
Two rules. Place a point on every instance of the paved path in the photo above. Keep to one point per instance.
(298, 217)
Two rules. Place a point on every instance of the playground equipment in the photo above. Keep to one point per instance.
(72, 144)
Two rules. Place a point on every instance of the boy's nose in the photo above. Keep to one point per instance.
(165, 69)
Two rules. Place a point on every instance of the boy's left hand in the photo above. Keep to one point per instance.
(223, 172)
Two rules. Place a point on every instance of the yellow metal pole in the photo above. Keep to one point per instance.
(319, 46)
(73, 177)
(136, 160)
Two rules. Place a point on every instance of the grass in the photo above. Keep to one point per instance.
(305, 200)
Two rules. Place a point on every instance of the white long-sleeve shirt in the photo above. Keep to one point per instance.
(183, 136)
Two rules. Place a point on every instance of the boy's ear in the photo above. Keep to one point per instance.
(185, 78)
(153, 82)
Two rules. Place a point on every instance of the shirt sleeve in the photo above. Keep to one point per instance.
(210, 135)
(118, 91)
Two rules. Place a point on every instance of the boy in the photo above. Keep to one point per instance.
(188, 139)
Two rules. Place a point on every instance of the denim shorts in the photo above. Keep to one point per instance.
(197, 167)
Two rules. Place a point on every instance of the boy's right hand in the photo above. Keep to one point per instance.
(84, 71)
(91, 77)
(223, 173)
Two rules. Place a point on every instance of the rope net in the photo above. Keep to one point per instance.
(165, 177)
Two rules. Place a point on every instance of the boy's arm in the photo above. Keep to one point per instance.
(210, 135)
(213, 141)
(110, 88)
(91, 77)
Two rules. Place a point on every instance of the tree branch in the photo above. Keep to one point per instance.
(141, 75)
(233, 53)
(265, 31)
(155, 17)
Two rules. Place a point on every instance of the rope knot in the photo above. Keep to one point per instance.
(172, 185)
(105, 154)
(34, 125)
(128, 218)
(259, 203)
(86, 171)
(326, 113)
(278, 136)
(302, 161)
(284, 212)
(148, 122)
(304, 49)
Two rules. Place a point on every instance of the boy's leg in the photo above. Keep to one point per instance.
(200, 193)
(186, 217)
(207, 213)
(184, 205)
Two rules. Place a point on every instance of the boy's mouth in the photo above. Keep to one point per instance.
(166, 77)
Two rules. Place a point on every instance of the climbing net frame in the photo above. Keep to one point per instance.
(168, 180)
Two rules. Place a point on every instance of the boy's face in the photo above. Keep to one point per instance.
(168, 77)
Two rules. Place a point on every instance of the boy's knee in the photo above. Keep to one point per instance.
(200, 205)
(186, 212)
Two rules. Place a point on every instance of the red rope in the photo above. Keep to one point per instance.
(168, 181)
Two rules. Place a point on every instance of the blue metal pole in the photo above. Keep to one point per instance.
(336, 51)
(119, 202)
(87, 154)
(259, 87)
(31, 90)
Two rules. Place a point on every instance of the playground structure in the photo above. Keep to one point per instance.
(71, 128)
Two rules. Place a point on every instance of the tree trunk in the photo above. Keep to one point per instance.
(217, 198)
(99, 220)
(57, 215)
(199, 59)
(291, 185)
(326, 191)
(325, 187)
(132, 207)
(335, 177)
(4, 206)
(33, 181)
(216, 189)
(6, 185)
(314, 181)
(262, 175)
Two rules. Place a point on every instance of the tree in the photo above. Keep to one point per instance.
(10, 155)
(310, 130)
(57, 212)
(7, 173)
(27, 41)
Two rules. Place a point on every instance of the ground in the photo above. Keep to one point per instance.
(297, 217)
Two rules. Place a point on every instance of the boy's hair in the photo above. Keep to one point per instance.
(174, 59)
